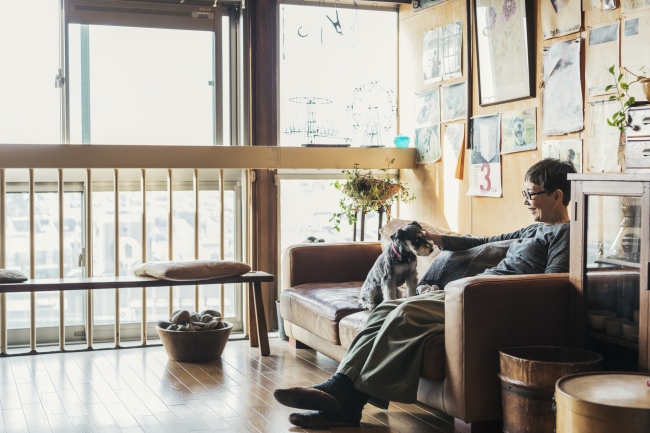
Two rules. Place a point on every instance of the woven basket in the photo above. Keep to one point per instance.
(197, 346)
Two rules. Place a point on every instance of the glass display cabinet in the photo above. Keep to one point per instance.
(610, 245)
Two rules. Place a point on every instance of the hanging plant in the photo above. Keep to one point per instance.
(619, 119)
(363, 192)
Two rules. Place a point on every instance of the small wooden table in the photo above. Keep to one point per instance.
(258, 332)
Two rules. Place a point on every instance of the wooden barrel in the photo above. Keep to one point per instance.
(528, 376)
(603, 402)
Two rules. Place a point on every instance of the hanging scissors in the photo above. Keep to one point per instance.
(336, 24)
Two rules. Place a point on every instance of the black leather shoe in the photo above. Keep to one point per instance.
(316, 420)
(304, 397)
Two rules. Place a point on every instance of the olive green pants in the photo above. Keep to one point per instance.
(384, 358)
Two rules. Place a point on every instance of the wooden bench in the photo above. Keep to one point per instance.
(258, 332)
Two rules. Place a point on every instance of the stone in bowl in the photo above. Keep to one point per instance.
(199, 346)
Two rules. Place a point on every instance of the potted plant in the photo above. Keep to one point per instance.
(619, 119)
(364, 192)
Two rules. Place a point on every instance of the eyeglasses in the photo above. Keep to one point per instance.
(528, 195)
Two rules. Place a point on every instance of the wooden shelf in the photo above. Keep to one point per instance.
(619, 263)
(615, 340)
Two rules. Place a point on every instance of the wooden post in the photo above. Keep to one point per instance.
(381, 214)
(363, 226)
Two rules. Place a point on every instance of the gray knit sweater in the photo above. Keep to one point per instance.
(539, 248)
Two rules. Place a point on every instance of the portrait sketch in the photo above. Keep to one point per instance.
(431, 65)
(560, 17)
(503, 51)
(485, 137)
(565, 150)
(454, 102)
(519, 130)
(451, 40)
(561, 88)
(427, 107)
(427, 143)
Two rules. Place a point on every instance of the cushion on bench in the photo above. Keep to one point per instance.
(191, 270)
(319, 307)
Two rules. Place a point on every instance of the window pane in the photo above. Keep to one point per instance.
(30, 108)
(130, 253)
(306, 208)
(225, 46)
(157, 249)
(337, 83)
(103, 255)
(133, 85)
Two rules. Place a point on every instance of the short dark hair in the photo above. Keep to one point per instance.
(551, 175)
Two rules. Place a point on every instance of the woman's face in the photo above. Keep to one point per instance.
(541, 206)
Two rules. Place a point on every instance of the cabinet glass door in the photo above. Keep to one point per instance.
(612, 277)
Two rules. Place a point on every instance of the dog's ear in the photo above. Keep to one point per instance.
(399, 234)
(416, 224)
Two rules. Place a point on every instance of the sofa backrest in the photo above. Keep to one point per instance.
(313, 263)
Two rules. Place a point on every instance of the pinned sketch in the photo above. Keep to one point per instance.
(485, 169)
(602, 53)
(603, 140)
(609, 5)
(454, 148)
(427, 143)
(427, 108)
(635, 54)
(561, 88)
(503, 49)
(431, 64)
(560, 17)
(451, 41)
(634, 5)
(454, 102)
(564, 150)
(519, 131)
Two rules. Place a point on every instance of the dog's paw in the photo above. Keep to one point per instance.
(425, 288)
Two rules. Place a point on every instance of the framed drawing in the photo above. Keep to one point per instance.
(505, 43)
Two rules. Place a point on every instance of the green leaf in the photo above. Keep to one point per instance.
(611, 98)
(609, 122)
(611, 70)
(632, 100)
(620, 77)
(624, 86)
(608, 88)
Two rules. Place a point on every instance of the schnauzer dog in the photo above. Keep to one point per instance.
(396, 266)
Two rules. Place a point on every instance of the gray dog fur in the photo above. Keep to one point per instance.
(391, 270)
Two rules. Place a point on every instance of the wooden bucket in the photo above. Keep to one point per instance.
(195, 346)
(528, 376)
(603, 402)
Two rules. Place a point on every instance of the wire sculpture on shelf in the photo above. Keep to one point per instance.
(373, 110)
(310, 127)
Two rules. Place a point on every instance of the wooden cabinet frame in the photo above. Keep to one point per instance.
(630, 185)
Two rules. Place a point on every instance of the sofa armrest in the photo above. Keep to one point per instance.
(488, 313)
(328, 263)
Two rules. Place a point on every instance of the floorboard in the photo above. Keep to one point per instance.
(141, 390)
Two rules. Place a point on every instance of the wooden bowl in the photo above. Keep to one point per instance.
(195, 346)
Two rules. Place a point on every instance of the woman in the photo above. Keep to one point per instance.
(384, 359)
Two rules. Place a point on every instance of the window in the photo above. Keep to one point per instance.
(338, 75)
(132, 73)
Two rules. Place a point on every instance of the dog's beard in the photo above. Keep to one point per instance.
(423, 250)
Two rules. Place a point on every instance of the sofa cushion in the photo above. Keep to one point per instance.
(433, 355)
(318, 307)
(351, 325)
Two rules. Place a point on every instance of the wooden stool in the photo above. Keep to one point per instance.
(603, 403)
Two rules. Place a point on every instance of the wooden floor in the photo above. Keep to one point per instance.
(139, 389)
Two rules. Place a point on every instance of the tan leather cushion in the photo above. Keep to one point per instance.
(338, 263)
(318, 307)
(433, 355)
(351, 325)
(192, 270)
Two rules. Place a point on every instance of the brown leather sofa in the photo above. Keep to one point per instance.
(320, 285)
